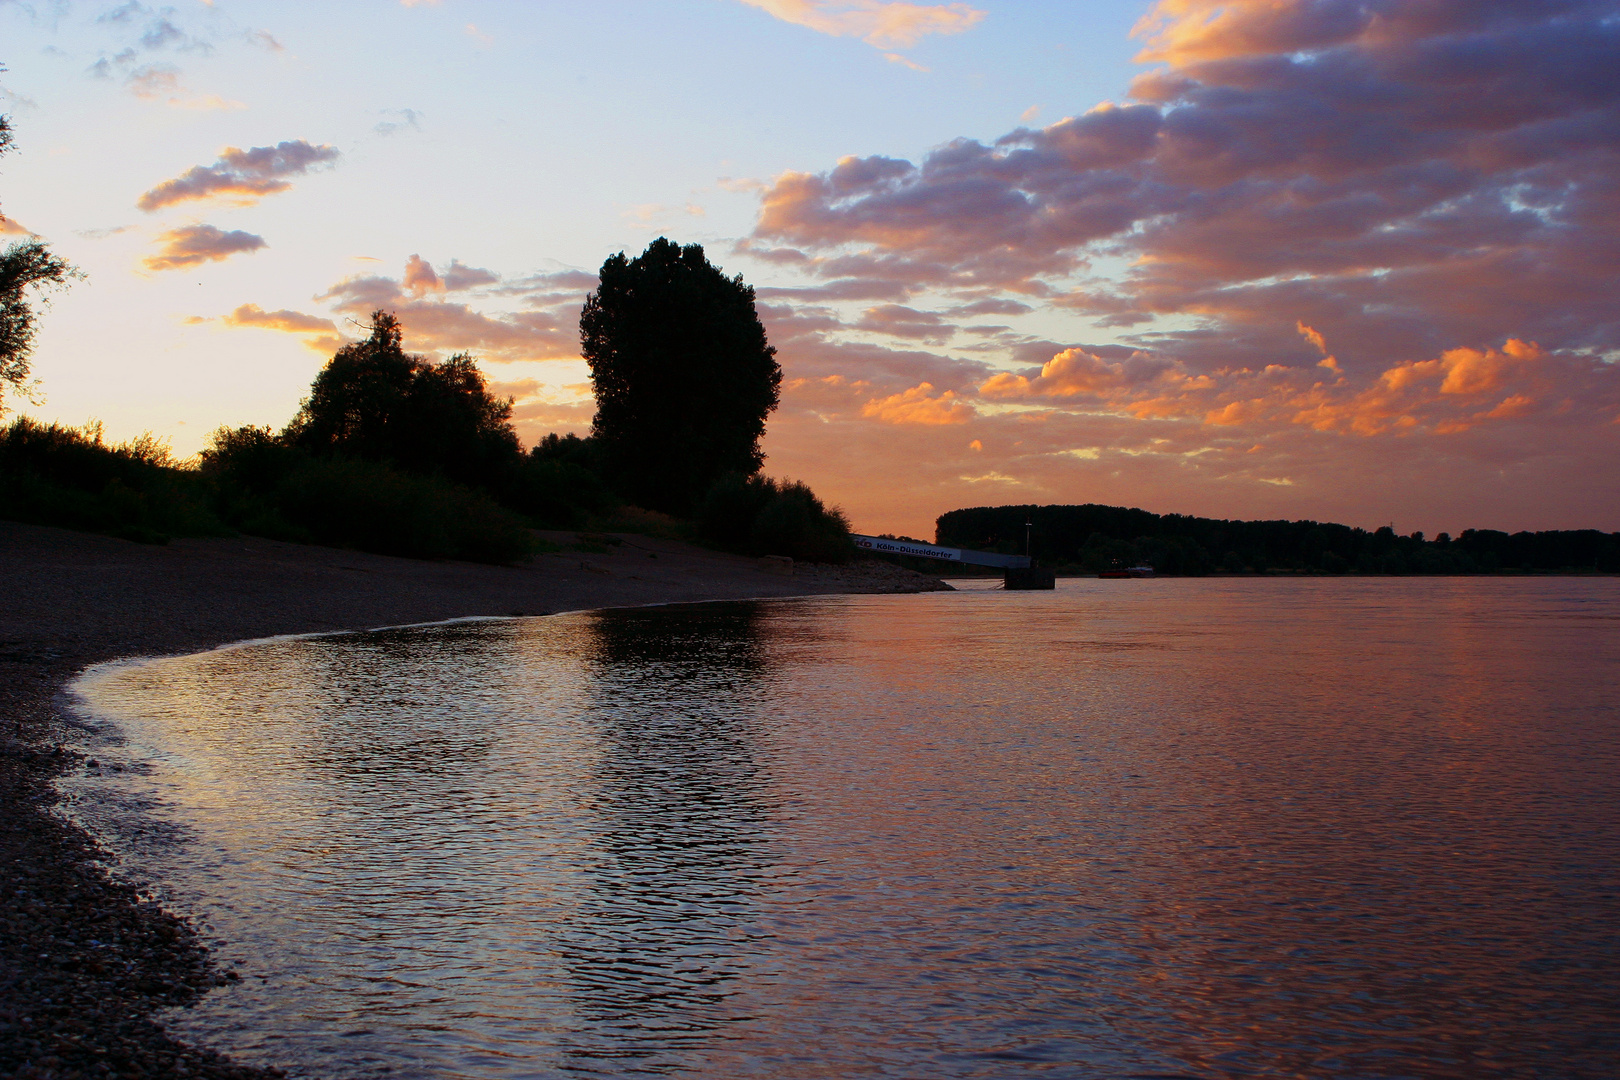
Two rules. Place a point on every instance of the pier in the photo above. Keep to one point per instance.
(1019, 571)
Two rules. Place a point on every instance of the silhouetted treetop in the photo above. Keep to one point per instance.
(375, 402)
(683, 374)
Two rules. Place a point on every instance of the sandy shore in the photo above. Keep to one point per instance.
(84, 962)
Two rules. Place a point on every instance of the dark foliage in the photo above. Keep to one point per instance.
(374, 402)
(55, 475)
(560, 484)
(556, 494)
(569, 450)
(756, 515)
(24, 267)
(266, 486)
(1093, 537)
(250, 481)
(682, 372)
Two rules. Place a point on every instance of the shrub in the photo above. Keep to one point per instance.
(266, 487)
(56, 475)
(756, 515)
(555, 494)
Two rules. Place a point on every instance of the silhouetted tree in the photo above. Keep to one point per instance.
(683, 375)
(375, 402)
(24, 266)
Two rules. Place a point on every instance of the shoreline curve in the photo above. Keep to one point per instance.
(87, 961)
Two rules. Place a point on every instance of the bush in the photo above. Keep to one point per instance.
(727, 514)
(375, 508)
(56, 475)
(266, 487)
(756, 515)
(556, 494)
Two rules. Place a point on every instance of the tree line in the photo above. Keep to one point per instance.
(1093, 538)
(396, 453)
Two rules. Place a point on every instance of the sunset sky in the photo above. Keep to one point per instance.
(1353, 260)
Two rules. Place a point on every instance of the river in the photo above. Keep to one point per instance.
(1164, 828)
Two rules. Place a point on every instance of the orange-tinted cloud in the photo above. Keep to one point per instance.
(193, 245)
(319, 334)
(161, 82)
(887, 24)
(1313, 336)
(1452, 393)
(919, 405)
(242, 176)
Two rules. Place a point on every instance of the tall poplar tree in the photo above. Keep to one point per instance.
(683, 375)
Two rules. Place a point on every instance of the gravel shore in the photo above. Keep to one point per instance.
(85, 961)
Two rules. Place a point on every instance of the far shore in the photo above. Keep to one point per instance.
(84, 961)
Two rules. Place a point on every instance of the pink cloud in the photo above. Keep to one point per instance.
(546, 329)
(897, 320)
(193, 245)
(242, 176)
(1327, 233)
(420, 278)
(884, 23)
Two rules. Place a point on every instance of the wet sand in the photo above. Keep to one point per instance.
(85, 962)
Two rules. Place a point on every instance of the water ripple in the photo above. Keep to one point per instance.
(1148, 829)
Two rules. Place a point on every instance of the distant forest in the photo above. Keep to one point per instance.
(1094, 538)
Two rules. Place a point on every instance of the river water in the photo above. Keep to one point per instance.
(1174, 828)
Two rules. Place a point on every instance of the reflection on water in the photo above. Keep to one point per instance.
(1148, 828)
(667, 924)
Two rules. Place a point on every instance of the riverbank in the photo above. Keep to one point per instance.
(85, 962)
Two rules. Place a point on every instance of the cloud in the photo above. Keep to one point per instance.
(293, 322)
(901, 321)
(243, 176)
(886, 24)
(458, 276)
(320, 335)
(896, 58)
(154, 30)
(420, 277)
(148, 31)
(517, 388)
(1311, 335)
(544, 327)
(1419, 169)
(193, 245)
(264, 40)
(1450, 394)
(408, 119)
(155, 82)
(13, 227)
(1334, 241)
(919, 405)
